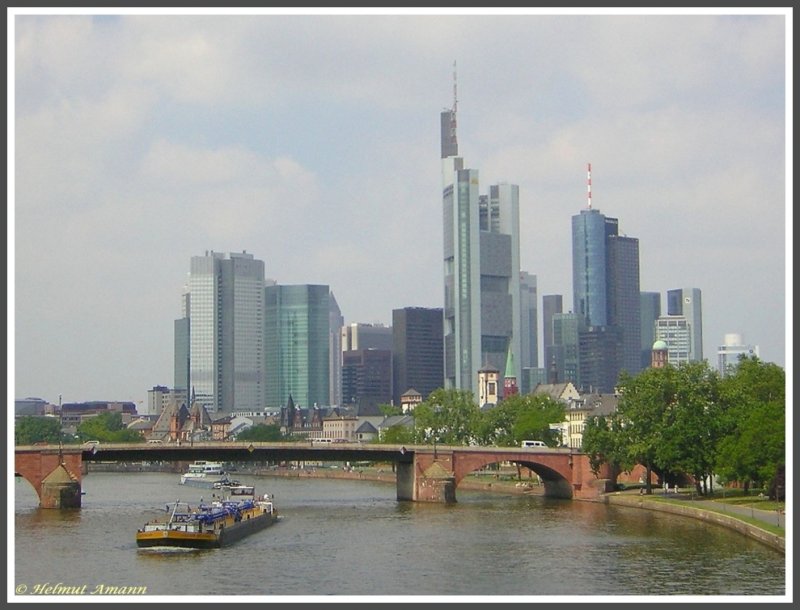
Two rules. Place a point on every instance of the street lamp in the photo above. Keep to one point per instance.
(436, 410)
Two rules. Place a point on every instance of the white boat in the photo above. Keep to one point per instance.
(205, 474)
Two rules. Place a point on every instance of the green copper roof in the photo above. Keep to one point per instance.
(510, 370)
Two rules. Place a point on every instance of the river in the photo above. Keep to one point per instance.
(353, 538)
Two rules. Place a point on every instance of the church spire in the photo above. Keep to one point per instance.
(510, 376)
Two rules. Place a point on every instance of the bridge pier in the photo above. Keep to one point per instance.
(433, 477)
(60, 490)
(405, 481)
(54, 474)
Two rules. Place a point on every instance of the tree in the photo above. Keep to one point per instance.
(261, 432)
(534, 416)
(604, 443)
(644, 399)
(388, 410)
(32, 429)
(449, 417)
(397, 435)
(521, 417)
(108, 427)
(693, 424)
(754, 445)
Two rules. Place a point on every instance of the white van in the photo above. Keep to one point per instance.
(533, 444)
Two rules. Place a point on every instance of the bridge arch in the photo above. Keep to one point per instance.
(556, 477)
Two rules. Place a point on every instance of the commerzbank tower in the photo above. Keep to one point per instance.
(481, 267)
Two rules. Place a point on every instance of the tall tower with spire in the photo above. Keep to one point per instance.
(481, 266)
(606, 297)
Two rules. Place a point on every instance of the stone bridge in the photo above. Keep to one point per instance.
(424, 473)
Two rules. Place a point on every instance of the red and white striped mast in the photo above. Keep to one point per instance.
(589, 184)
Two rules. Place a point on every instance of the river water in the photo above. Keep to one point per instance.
(353, 538)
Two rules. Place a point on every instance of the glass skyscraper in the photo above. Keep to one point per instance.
(605, 282)
(590, 230)
(297, 342)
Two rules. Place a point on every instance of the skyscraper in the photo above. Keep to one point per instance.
(529, 327)
(624, 301)
(297, 344)
(564, 364)
(225, 304)
(729, 352)
(650, 305)
(551, 305)
(360, 335)
(367, 379)
(366, 366)
(676, 332)
(335, 350)
(182, 361)
(481, 268)
(417, 351)
(605, 282)
(590, 230)
(687, 302)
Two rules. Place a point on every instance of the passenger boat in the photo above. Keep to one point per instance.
(205, 474)
(235, 515)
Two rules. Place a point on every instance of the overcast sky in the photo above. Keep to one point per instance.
(312, 142)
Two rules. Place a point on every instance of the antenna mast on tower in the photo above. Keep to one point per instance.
(589, 184)
(455, 104)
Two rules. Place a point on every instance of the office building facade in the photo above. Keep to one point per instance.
(624, 300)
(297, 344)
(225, 304)
(564, 364)
(551, 305)
(417, 351)
(676, 332)
(650, 306)
(605, 281)
(367, 379)
(335, 350)
(732, 348)
(529, 321)
(687, 302)
(359, 335)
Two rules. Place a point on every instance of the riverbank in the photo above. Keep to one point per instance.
(712, 512)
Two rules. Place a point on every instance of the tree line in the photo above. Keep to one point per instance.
(689, 420)
(453, 417)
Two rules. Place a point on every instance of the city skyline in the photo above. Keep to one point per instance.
(143, 139)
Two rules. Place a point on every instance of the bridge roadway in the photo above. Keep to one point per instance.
(424, 473)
